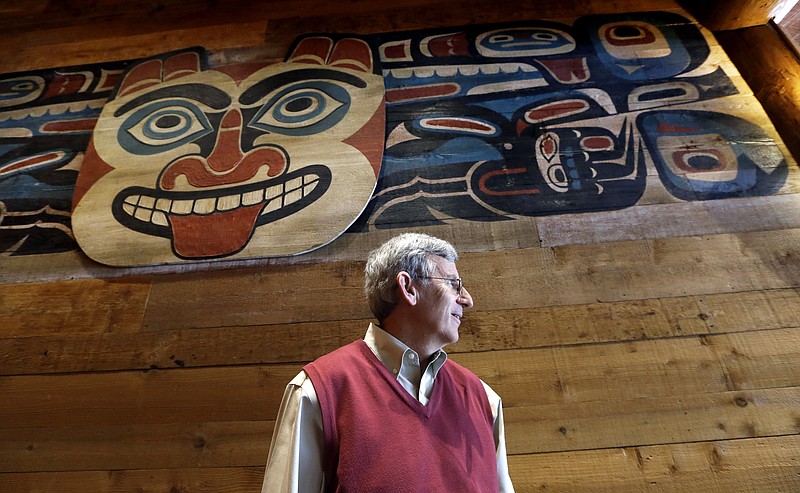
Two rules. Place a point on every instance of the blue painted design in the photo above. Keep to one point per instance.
(526, 41)
(645, 46)
(457, 150)
(728, 157)
(574, 135)
(163, 125)
(45, 124)
(305, 108)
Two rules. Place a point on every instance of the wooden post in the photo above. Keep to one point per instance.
(722, 15)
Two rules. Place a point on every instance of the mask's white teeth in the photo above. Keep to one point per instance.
(148, 209)
(204, 206)
(229, 202)
(463, 70)
(252, 198)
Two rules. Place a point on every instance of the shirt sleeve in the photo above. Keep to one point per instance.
(294, 464)
(503, 478)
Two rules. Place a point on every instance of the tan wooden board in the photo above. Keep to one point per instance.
(169, 446)
(534, 429)
(748, 13)
(616, 423)
(758, 465)
(72, 307)
(22, 57)
(65, 351)
(500, 280)
(778, 212)
(662, 368)
(246, 393)
(196, 480)
(761, 464)
(764, 58)
(666, 368)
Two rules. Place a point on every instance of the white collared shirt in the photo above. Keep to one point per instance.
(295, 457)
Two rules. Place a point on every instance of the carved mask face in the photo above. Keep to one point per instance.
(195, 165)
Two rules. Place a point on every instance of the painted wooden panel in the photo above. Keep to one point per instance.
(46, 120)
(483, 123)
(499, 122)
(193, 164)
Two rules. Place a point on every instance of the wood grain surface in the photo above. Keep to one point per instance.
(648, 349)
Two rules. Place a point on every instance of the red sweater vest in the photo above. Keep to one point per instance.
(379, 439)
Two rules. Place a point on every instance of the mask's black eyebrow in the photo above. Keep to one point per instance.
(265, 86)
(208, 95)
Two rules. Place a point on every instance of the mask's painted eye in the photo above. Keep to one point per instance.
(303, 109)
(162, 126)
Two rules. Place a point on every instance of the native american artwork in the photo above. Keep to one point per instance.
(189, 163)
(46, 119)
(541, 118)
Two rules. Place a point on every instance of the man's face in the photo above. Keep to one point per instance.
(441, 306)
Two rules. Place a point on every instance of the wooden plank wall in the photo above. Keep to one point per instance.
(661, 364)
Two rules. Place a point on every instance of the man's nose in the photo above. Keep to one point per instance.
(465, 299)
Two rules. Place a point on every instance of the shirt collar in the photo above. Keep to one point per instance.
(391, 350)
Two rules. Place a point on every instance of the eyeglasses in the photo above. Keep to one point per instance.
(455, 282)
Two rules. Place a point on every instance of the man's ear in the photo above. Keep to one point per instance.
(408, 293)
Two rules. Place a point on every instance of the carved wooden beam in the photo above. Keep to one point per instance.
(722, 15)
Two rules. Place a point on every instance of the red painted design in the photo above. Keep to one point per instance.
(92, 169)
(567, 70)
(556, 110)
(504, 193)
(232, 231)
(63, 84)
(679, 158)
(598, 143)
(646, 36)
(421, 92)
(181, 65)
(31, 161)
(449, 45)
(311, 50)
(396, 52)
(353, 54)
(240, 71)
(667, 128)
(68, 126)
(108, 82)
(369, 138)
(140, 77)
(227, 164)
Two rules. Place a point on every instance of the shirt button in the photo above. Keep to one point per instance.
(394, 370)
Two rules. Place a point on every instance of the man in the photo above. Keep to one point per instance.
(390, 413)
